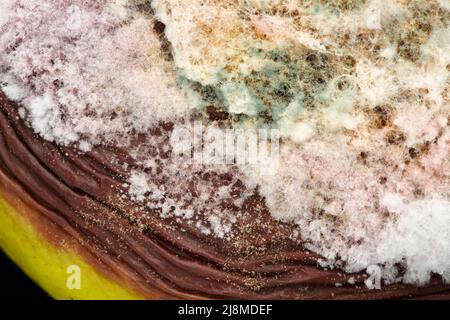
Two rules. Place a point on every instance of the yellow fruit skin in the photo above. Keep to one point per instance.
(48, 265)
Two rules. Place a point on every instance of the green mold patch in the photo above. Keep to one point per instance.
(274, 84)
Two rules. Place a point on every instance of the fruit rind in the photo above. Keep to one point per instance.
(48, 265)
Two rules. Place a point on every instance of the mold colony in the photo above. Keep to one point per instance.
(358, 90)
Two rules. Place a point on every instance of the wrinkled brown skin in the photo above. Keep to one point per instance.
(73, 198)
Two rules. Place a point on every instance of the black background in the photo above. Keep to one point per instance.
(15, 285)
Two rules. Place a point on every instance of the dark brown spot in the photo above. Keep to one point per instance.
(382, 116)
(216, 114)
(395, 136)
(412, 153)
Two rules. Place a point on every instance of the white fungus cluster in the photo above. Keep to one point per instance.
(86, 70)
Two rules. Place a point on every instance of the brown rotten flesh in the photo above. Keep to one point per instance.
(72, 203)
